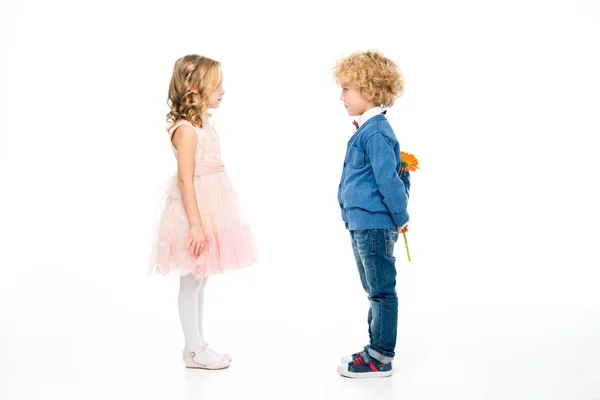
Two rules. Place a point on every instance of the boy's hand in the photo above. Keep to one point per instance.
(400, 230)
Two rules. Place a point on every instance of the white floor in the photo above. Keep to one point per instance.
(120, 338)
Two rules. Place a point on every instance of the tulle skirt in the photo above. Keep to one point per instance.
(229, 243)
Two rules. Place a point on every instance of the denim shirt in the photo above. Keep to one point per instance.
(371, 193)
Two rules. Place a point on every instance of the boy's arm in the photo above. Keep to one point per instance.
(392, 188)
(406, 180)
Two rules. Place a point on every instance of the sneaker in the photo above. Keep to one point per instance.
(365, 367)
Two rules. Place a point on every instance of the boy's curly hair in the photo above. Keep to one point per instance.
(192, 71)
(368, 71)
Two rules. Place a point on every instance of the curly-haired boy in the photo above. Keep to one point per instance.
(373, 198)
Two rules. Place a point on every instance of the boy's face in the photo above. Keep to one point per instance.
(354, 101)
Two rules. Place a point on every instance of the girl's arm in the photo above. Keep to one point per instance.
(185, 139)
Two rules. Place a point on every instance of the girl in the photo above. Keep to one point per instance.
(201, 232)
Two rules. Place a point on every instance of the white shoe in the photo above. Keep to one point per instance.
(188, 360)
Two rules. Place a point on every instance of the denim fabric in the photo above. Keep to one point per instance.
(374, 254)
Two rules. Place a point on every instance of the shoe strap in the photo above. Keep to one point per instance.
(193, 353)
(368, 361)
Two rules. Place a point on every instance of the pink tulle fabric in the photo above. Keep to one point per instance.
(229, 241)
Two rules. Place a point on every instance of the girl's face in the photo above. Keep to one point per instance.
(354, 101)
(215, 97)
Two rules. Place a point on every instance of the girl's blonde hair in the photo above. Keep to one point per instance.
(368, 71)
(192, 72)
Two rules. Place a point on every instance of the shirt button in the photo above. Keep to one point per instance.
(340, 185)
(344, 164)
(341, 205)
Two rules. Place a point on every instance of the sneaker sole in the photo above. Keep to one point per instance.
(364, 375)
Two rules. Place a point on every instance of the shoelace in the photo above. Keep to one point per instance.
(359, 361)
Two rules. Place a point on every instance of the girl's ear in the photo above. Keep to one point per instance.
(194, 89)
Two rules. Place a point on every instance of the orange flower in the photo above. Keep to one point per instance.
(408, 162)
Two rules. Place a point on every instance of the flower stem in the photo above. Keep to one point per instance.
(406, 244)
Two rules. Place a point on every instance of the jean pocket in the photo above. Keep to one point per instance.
(391, 237)
(356, 157)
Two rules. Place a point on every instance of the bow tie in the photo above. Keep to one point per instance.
(356, 123)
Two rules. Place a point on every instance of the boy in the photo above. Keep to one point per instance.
(373, 199)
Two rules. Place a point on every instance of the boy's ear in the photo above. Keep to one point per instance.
(370, 94)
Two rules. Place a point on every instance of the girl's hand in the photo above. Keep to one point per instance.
(400, 230)
(196, 241)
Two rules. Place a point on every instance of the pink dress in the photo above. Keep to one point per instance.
(229, 242)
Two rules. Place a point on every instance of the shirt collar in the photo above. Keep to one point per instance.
(370, 113)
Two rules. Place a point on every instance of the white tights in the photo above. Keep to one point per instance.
(191, 314)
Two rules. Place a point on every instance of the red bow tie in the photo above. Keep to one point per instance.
(356, 123)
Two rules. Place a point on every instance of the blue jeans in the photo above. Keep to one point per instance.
(374, 253)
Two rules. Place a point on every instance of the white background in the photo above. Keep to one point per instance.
(501, 108)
